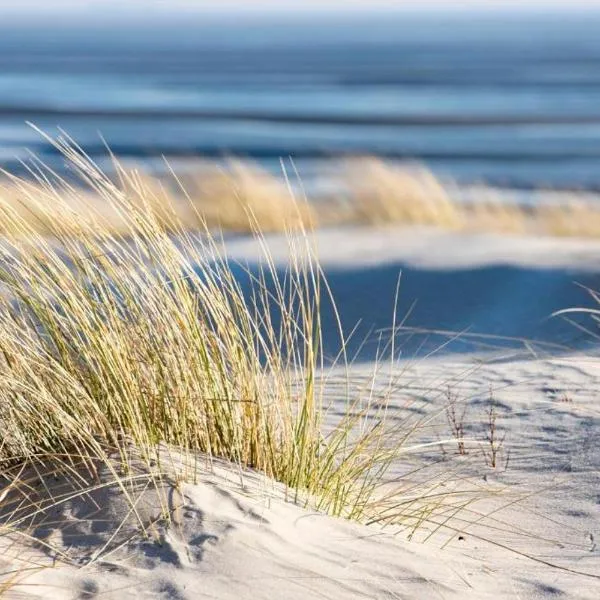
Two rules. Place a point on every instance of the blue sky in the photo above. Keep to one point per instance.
(58, 12)
(85, 6)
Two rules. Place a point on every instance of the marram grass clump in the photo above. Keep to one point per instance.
(147, 337)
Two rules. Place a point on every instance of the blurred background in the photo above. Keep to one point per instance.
(504, 93)
(501, 97)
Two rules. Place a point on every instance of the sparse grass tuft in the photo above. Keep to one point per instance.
(573, 218)
(385, 194)
(239, 196)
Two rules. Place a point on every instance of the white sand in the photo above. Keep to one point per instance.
(541, 533)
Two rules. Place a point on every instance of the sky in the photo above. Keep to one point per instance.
(51, 13)
(86, 6)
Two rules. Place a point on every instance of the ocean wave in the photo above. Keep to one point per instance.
(401, 120)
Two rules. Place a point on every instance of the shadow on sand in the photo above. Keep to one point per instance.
(488, 308)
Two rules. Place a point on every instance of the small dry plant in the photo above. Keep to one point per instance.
(494, 439)
(456, 420)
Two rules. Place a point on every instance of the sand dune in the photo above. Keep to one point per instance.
(233, 540)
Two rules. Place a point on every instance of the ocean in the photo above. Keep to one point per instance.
(508, 100)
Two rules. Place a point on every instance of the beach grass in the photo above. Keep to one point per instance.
(121, 346)
(239, 196)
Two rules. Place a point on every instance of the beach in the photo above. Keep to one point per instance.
(299, 302)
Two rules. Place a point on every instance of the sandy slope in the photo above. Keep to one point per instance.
(542, 503)
(231, 545)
